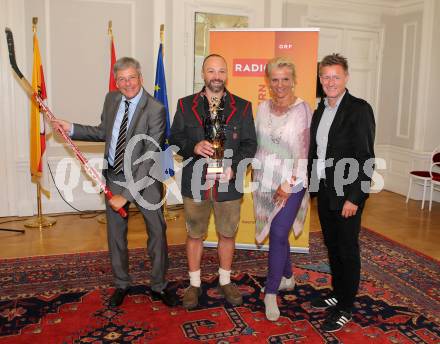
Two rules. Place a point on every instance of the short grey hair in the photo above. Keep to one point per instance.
(126, 62)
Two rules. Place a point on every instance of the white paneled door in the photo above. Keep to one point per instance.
(362, 49)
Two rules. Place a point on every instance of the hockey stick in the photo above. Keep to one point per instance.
(50, 117)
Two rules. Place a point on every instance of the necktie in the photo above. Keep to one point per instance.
(118, 164)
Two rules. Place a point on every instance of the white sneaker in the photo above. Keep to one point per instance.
(270, 303)
(287, 284)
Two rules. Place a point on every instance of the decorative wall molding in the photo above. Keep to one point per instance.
(66, 171)
(424, 71)
(13, 106)
(275, 11)
(380, 52)
(132, 5)
(399, 161)
(405, 7)
(346, 17)
(340, 37)
(406, 110)
(388, 7)
(56, 143)
(26, 195)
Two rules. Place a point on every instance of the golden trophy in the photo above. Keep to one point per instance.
(215, 133)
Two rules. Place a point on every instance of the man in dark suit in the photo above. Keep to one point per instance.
(126, 116)
(341, 162)
(193, 118)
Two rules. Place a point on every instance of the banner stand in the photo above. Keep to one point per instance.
(247, 52)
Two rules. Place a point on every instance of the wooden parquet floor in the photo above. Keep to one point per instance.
(386, 213)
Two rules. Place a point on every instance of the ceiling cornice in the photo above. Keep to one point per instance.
(390, 7)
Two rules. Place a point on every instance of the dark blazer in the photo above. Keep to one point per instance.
(187, 130)
(351, 136)
(150, 119)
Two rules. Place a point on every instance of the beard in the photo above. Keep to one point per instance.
(215, 88)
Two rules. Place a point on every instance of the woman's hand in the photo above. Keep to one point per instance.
(282, 194)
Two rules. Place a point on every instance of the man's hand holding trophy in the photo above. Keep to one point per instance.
(215, 134)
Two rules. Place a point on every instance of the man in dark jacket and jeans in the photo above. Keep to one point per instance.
(199, 194)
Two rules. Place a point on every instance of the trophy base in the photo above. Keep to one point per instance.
(214, 172)
(214, 169)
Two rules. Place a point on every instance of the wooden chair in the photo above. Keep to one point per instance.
(434, 173)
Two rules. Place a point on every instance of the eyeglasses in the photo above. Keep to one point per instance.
(327, 78)
(126, 80)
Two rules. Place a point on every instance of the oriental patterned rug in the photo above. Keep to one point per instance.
(63, 299)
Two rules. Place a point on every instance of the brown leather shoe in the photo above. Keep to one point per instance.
(231, 294)
(191, 297)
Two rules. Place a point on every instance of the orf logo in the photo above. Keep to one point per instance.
(248, 67)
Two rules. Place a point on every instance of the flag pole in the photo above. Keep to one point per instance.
(162, 30)
(40, 221)
(168, 216)
(110, 30)
(102, 218)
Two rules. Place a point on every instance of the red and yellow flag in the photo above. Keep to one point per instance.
(38, 133)
(112, 82)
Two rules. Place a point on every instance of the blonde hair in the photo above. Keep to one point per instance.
(280, 62)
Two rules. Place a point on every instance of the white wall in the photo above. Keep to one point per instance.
(13, 107)
(407, 103)
(431, 136)
(401, 60)
(75, 53)
(74, 47)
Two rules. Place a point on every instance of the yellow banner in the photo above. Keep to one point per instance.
(246, 52)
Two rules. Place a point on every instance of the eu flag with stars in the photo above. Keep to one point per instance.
(160, 93)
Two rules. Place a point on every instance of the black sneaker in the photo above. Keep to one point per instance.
(335, 321)
(324, 303)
